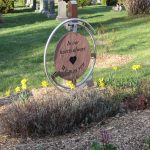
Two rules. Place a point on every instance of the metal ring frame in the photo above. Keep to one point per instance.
(90, 31)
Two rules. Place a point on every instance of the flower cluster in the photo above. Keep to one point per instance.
(24, 84)
(7, 93)
(70, 84)
(136, 67)
(101, 83)
(105, 137)
(23, 87)
(17, 89)
(115, 68)
(44, 83)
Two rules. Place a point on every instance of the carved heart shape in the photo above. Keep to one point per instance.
(73, 59)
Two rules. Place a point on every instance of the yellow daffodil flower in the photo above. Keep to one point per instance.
(24, 81)
(70, 84)
(44, 83)
(7, 93)
(17, 89)
(101, 83)
(24, 86)
(136, 67)
(115, 68)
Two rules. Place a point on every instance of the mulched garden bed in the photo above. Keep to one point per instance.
(128, 131)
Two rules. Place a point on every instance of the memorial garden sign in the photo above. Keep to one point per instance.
(73, 56)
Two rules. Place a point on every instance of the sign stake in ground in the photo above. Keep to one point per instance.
(73, 57)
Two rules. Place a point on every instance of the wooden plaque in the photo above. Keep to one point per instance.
(72, 56)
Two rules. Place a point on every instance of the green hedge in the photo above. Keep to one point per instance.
(82, 3)
(6, 6)
(111, 2)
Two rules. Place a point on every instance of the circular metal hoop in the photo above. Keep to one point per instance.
(89, 29)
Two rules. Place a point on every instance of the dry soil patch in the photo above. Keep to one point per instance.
(109, 60)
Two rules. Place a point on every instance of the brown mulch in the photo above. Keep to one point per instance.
(127, 132)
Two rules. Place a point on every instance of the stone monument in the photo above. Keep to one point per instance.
(31, 3)
(62, 11)
(51, 12)
(44, 6)
(28, 2)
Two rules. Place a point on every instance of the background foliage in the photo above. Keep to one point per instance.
(82, 3)
(135, 7)
(111, 2)
(6, 6)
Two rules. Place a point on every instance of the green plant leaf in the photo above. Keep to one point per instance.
(110, 147)
(96, 146)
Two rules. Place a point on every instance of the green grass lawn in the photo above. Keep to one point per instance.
(23, 36)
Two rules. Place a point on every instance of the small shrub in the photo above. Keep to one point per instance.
(6, 6)
(82, 3)
(97, 146)
(135, 7)
(105, 143)
(148, 141)
(144, 89)
(41, 148)
(56, 114)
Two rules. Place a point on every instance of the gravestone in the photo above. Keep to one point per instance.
(93, 2)
(118, 7)
(44, 6)
(99, 1)
(28, 2)
(62, 11)
(31, 4)
(41, 5)
(37, 7)
(51, 12)
(72, 9)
